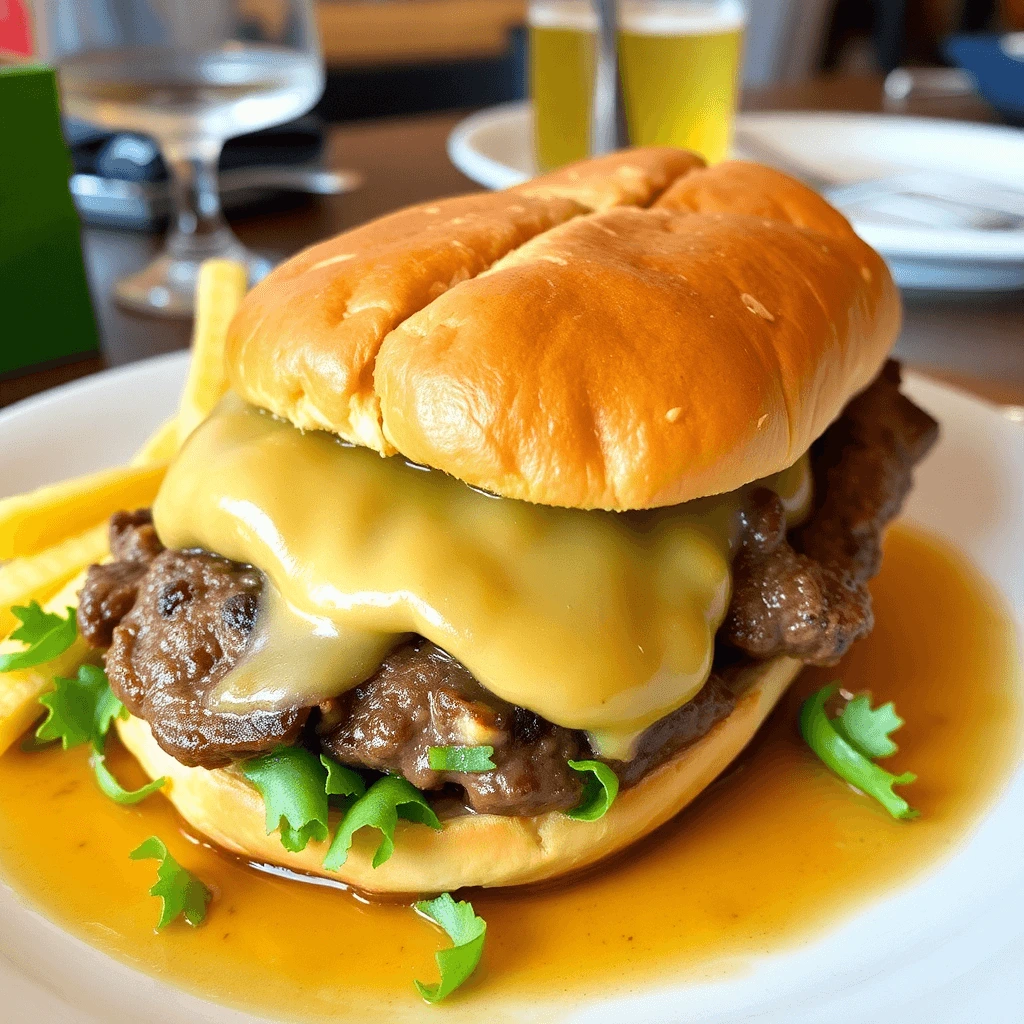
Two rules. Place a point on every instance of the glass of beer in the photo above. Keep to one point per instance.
(679, 61)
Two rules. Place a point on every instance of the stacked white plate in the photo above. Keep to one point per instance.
(970, 239)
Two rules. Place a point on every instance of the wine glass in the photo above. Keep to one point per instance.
(191, 74)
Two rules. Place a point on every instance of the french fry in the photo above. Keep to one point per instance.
(20, 691)
(39, 577)
(218, 295)
(161, 447)
(30, 523)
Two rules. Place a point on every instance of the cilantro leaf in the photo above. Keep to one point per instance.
(45, 635)
(293, 784)
(82, 710)
(846, 760)
(460, 759)
(868, 729)
(179, 890)
(342, 781)
(467, 931)
(600, 788)
(380, 807)
(110, 787)
(74, 708)
(108, 707)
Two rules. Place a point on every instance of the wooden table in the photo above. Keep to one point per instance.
(975, 342)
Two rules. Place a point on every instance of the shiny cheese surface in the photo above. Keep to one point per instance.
(595, 620)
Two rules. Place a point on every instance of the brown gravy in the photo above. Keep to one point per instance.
(776, 849)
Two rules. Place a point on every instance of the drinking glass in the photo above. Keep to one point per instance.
(191, 74)
(679, 61)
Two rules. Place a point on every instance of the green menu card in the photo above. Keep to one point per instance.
(45, 313)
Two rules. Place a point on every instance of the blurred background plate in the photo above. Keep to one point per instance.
(495, 149)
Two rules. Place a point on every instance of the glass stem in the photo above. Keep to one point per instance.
(198, 228)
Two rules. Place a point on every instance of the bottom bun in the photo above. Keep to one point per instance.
(472, 849)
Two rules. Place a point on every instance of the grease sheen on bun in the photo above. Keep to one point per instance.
(631, 332)
(472, 849)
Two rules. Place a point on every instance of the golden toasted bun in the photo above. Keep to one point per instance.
(475, 849)
(304, 343)
(631, 332)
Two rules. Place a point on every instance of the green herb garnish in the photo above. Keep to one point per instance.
(80, 709)
(293, 784)
(342, 781)
(108, 708)
(110, 787)
(467, 931)
(180, 892)
(45, 635)
(868, 728)
(600, 787)
(380, 807)
(460, 759)
(848, 742)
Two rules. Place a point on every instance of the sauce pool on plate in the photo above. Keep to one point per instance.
(776, 849)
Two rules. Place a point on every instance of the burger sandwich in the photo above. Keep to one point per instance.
(523, 511)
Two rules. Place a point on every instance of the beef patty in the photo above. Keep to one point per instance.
(805, 594)
(189, 623)
(421, 697)
(177, 621)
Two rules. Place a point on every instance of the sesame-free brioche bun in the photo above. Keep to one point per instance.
(634, 331)
(471, 849)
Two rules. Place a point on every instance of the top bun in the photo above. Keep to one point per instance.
(633, 331)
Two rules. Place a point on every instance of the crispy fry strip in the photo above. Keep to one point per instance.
(38, 577)
(161, 447)
(218, 295)
(30, 523)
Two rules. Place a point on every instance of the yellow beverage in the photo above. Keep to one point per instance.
(679, 61)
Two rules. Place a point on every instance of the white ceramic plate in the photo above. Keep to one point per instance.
(495, 148)
(947, 949)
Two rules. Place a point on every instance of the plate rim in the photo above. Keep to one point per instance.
(82, 385)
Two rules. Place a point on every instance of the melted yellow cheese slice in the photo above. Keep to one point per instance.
(599, 621)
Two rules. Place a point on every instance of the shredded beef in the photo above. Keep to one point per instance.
(420, 697)
(189, 626)
(110, 590)
(784, 602)
(176, 622)
(863, 470)
(133, 537)
(806, 595)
